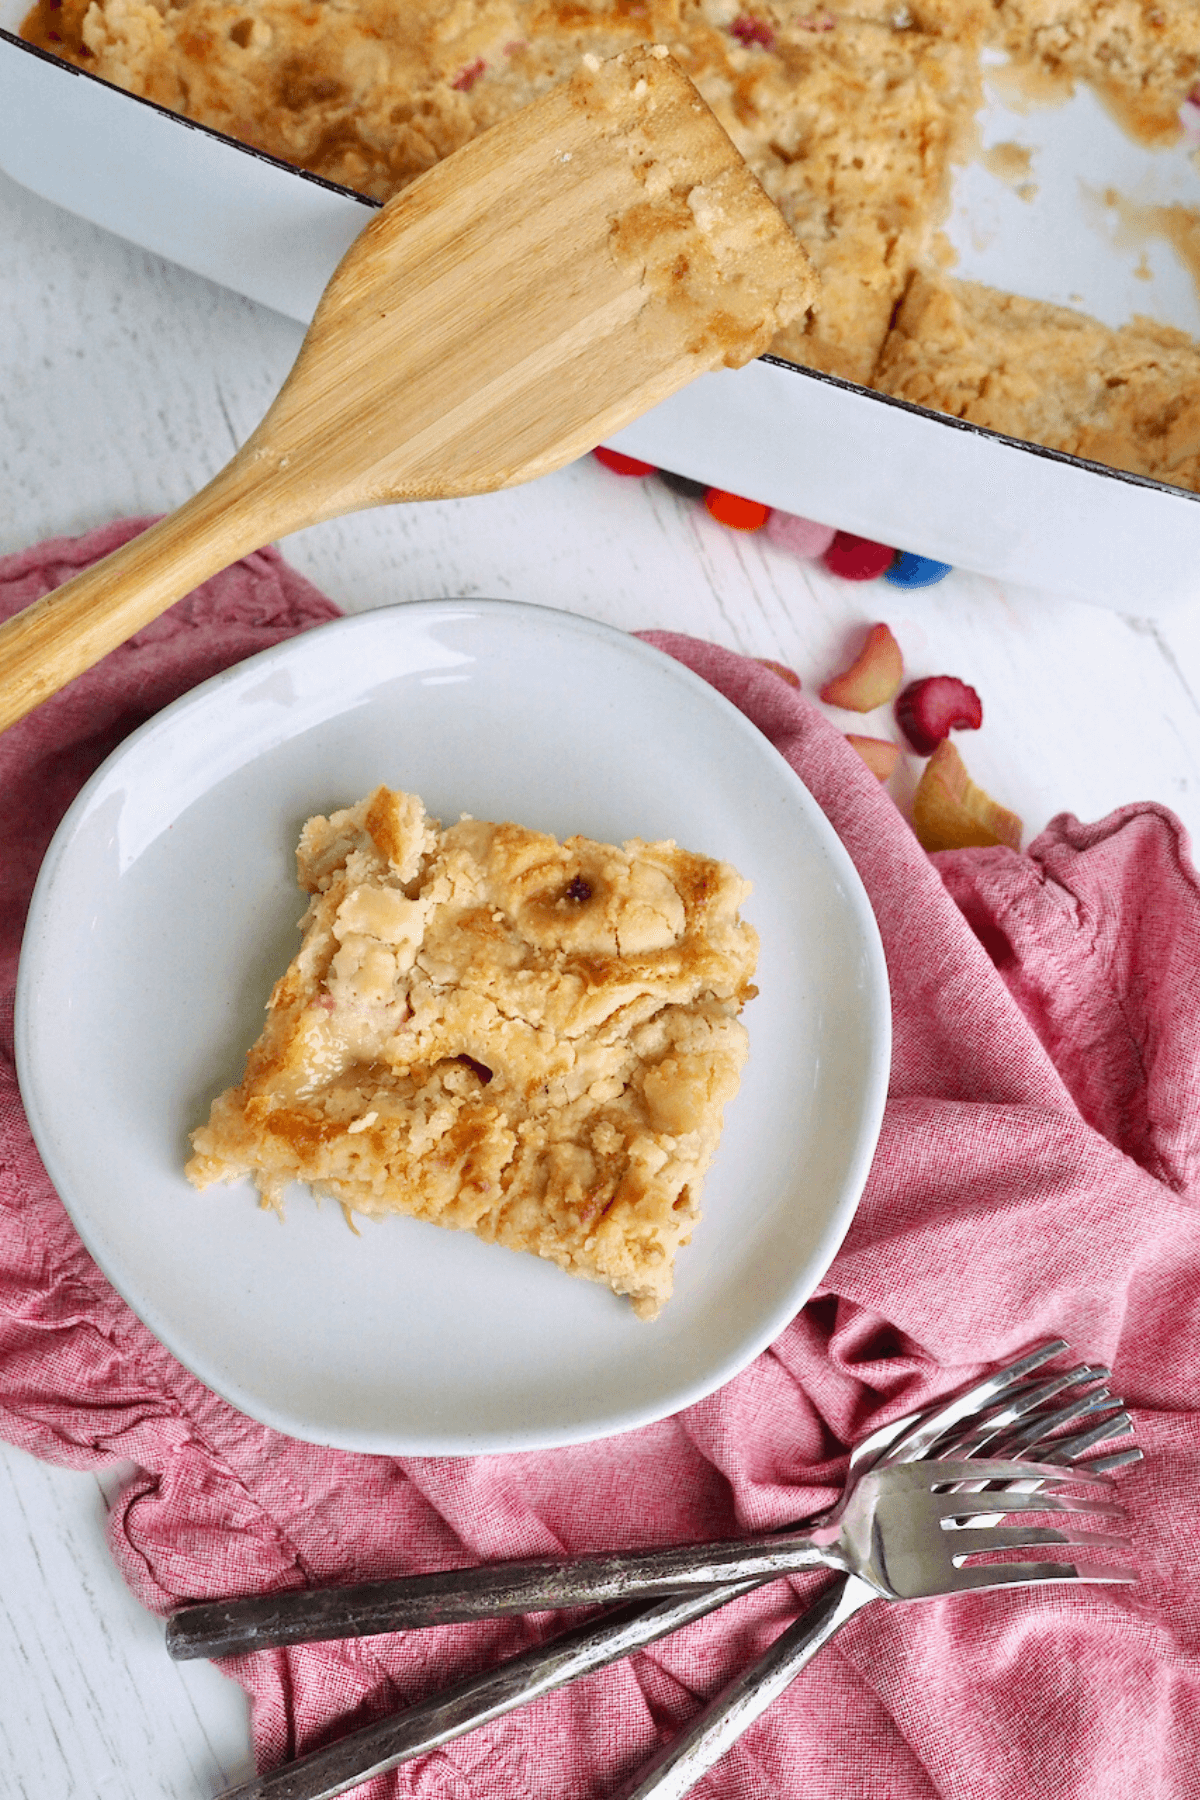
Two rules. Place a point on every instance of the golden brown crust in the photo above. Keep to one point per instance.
(703, 238)
(501, 1033)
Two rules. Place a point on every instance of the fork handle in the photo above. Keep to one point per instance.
(478, 1699)
(684, 1759)
(492, 1590)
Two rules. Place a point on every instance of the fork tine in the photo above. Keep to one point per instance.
(1005, 1575)
(1069, 1450)
(902, 1438)
(963, 1406)
(1007, 1469)
(1118, 1425)
(1082, 1375)
(1017, 1408)
(1102, 1465)
(1004, 1505)
(969, 1542)
(1032, 1484)
(1020, 1396)
(1053, 1420)
(1033, 1437)
(1120, 1459)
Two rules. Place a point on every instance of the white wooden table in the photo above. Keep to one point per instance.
(126, 383)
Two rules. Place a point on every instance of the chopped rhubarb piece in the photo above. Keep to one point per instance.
(872, 679)
(620, 464)
(748, 30)
(780, 669)
(466, 78)
(732, 510)
(951, 812)
(879, 754)
(929, 710)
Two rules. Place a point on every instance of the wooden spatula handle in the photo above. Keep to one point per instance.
(61, 635)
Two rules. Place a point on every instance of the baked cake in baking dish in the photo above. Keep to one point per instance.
(847, 115)
(850, 113)
(500, 1033)
(1128, 398)
(1141, 56)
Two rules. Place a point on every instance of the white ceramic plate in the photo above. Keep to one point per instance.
(167, 906)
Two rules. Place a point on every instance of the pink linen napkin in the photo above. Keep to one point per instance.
(1038, 1174)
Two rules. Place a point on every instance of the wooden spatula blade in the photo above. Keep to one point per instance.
(520, 301)
(539, 289)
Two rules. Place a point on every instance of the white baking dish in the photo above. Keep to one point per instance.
(798, 440)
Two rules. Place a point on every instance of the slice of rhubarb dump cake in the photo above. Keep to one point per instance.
(500, 1033)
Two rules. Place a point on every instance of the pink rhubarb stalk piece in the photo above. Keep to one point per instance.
(872, 679)
(879, 754)
(929, 710)
(952, 812)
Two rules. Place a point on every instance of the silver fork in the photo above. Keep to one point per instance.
(1022, 1424)
(901, 1528)
(295, 1616)
(481, 1698)
(890, 1528)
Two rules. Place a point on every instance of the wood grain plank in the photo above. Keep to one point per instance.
(92, 1703)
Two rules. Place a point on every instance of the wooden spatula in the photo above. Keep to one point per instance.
(528, 296)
